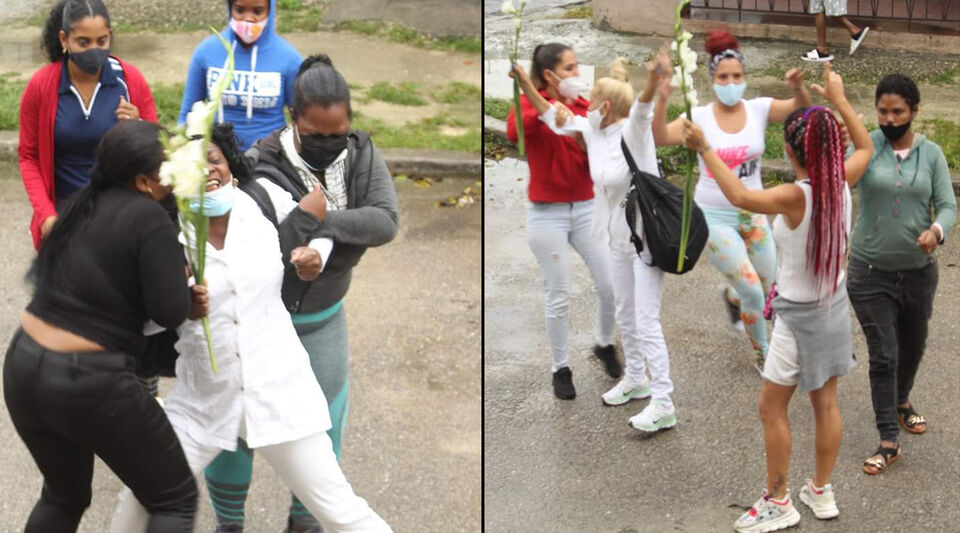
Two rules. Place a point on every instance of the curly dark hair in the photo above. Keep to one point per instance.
(226, 140)
(900, 85)
(62, 17)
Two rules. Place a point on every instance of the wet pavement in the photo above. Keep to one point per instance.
(570, 466)
(412, 446)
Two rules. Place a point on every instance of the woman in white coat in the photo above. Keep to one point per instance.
(264, 390)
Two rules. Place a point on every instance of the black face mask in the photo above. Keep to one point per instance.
(893, 133)
(319, 151)
(91, 60)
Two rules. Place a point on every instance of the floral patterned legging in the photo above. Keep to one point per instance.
(741, 247)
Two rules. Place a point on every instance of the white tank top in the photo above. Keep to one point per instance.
(741, 151)
(794, 281)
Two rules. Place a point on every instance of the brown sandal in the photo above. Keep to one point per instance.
(887, 456)
(911, 420)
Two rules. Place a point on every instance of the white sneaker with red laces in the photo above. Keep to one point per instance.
(768, 514)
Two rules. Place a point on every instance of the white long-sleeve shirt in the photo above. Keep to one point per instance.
(609, 169)
(264, 382)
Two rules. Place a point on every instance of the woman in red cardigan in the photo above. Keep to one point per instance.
(560, 213)
(70, 103)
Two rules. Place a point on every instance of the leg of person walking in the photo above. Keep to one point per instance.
(228, 479)
(596, 255)
(728, 254)
(818, 492)
(635, 384)
(873, 295)
(917, 292)
(309, 467)
(548, 228)
(325, 338)
(777, 440)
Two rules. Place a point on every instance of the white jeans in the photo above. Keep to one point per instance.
(639, 290)
(308, 466)
(551, 229)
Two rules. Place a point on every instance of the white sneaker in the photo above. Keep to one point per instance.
(654, 418)
(768, 515)
(855, 43)
(821, 501)
(627, 390)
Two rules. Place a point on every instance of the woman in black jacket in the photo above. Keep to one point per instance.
(111, 263)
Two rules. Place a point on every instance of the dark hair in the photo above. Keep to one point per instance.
(814, 136)
(900, 85)
(62, 17)
(225, 139)
(128, 149)
(230, 4)
(318, 83)
(546, 56)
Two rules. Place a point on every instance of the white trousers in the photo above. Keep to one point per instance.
(551, 230)
(638, 290)
(308, 466)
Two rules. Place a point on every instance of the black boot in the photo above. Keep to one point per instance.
(609, 357)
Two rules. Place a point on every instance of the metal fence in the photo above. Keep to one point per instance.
(943, 14)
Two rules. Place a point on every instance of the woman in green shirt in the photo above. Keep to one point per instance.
(893, 272)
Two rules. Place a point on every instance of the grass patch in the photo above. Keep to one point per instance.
(403, 93)
(580, 12)
(947, 134)
(456, 92)
(496, 107)
(773, 138)
(423, 134)
(293, 16)
(10, 93)
(167, 99)
(401, 33)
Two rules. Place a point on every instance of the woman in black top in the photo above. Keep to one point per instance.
(111, 263)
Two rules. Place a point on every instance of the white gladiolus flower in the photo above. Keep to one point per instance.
(198, 118)
(185, 170)
(507, 8)
(689, 60)
(517, 22)
(673, 46)
(685, 37)
(692, 98)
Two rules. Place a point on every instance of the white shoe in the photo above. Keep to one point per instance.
(768, 515)
(654, 417)
(821, 501)
(816, 56)
(855, 43)
(627, 390)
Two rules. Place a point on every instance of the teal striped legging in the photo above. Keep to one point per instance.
(324, 335)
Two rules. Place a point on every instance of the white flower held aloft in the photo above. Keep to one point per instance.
(185, 170)
(507, 8)
(198, 118)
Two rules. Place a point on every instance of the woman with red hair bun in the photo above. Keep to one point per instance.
(740, 244)
(811, 346)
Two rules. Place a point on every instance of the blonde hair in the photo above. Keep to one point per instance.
(616, 89)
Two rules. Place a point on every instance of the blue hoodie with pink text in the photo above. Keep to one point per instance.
(262, 80)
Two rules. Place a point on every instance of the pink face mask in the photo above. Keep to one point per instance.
(248, 32)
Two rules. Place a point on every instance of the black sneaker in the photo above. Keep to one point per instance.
(563, 384)
(733, 311)
(609, 357)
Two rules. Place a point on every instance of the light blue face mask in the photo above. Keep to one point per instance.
(216, 203)
(730, 93)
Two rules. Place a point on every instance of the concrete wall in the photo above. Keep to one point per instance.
(656, 17)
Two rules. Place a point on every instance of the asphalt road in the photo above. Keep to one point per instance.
(413, 441)
(566, 466)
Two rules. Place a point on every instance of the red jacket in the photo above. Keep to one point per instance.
(559, 171)
(38, 110)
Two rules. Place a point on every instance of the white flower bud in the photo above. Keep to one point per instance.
(517, 22)
(507, 8)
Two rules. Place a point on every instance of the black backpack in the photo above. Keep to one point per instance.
(661, 205)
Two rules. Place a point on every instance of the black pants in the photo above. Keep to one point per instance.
(67, 407)
(893, 309)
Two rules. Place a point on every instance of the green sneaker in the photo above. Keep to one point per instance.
(627, 390)
(655, 417)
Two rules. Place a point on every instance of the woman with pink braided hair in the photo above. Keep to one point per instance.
(810, 346)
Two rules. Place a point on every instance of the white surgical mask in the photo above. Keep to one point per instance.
(595, 118)
(571, 87)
